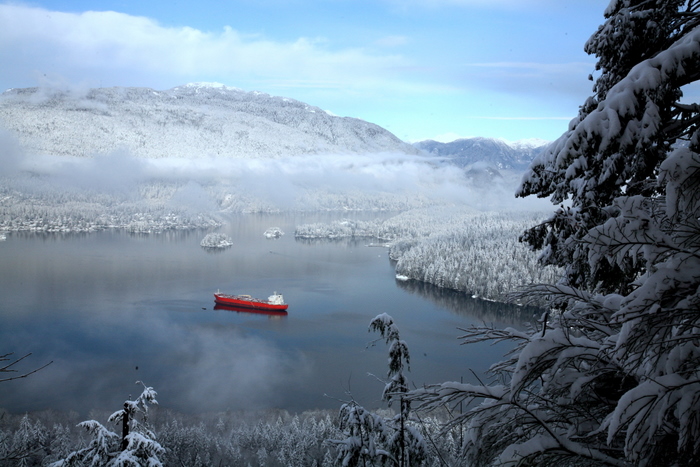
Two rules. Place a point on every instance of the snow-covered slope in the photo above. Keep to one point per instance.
(494, 152)
(195, 120)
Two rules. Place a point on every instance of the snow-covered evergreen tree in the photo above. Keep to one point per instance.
(613, 374)
(136, 447)
(647, 54)
(364, 431)
(369, 438)
(405, 444)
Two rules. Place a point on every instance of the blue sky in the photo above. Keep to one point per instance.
(423, 69)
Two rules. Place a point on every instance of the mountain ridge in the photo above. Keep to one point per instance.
(189, 121)
(498, 153)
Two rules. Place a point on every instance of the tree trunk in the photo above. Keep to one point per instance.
(125, 427)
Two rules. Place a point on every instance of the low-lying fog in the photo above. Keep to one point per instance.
(208, 184)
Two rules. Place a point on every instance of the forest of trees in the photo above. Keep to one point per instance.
(452, 247)
(272, 439)
(39, 204)
(143, 434)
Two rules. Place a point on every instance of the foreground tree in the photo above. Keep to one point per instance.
(405, 443)
(371, 440)
(364, 433)
(135, 447)
(613, 374)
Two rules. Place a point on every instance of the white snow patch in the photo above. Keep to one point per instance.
(273, 232)
(526, 143)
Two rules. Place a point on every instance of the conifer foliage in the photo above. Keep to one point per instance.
(612, 376)
(364, 433)
(405, 443)
(135, 447)
(369, 438)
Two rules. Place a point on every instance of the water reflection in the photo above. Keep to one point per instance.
(166, 235)
(215, 250)
(345, 242)
(239, 309)
(485, 311)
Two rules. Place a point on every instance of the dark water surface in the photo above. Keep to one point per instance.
(111, 308)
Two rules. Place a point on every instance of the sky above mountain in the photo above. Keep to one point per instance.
(423, 69)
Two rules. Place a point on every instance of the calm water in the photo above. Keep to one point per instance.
(112, 308)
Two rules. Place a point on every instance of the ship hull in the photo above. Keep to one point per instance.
(248, 302)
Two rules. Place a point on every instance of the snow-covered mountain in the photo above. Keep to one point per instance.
(492, 152)
(195, 120)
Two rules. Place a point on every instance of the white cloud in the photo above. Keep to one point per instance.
(281, 182)
(11, 154)
(109, 43)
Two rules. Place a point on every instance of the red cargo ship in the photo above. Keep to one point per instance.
(274, 302)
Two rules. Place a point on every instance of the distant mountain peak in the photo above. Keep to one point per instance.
(527, 143)
(498, 153)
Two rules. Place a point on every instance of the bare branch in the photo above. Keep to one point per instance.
(7, 368)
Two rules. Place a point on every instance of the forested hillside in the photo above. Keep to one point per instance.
(191, 121)
(453, 247)
(149, 161)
